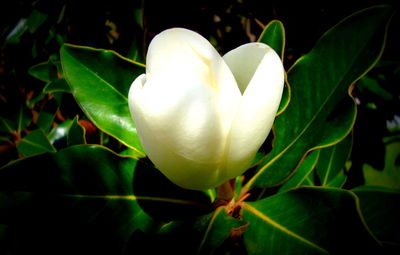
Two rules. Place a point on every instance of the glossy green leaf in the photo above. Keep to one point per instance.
(68, 133)
(307, 221)
(127, 152)
(216, 228)
(82, 198)
(238, 187)
(338, 181)
(274, 36)
(45, 119)
(45, 71)
(332, 160)
(304, 173)
(36, 142)
(320, 112)
(258, 158)
(51, 73)
(285, 99)
(207, 233)
(380, 207)
(57, 85)
(47, 115)
(100, 81)
(76, 133)
(58, 135)
(389, 176)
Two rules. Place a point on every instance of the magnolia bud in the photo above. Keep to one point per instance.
(200, 117)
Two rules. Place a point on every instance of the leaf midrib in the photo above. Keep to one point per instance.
(108, 85)
(306, 177)
(329, 168)
(209, 226)
(133, 197)
(20, 120)
(5, 123)
(104, 81)
(251, 181)
(276, 225)
(36, 145)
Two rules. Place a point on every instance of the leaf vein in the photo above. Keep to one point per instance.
(273, 223)
(209, 226)
(37, 145)
(108, 85)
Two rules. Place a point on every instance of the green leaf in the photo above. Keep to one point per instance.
(338, 181)
(76, 133)
(68, 133)
(332, 160)
(57, 85)
(216, 227)
(303, 174)
(45, 71)
(6, 125)
(321, 113)
(307, 221)
(274, 36)
(13, 37)
(45, 119)
(31, 102)
(47, 115)
(285, 99)
(100, 81)
(51, 73)
(22, 118)
(380, 207)
(148, 182)
(35, 142)
(207, 233)
(31, 24)
(58, 135)
(373, 86)
(82, 198)
(35, 20)
(389, 176)
(127, 152)
(238, 187)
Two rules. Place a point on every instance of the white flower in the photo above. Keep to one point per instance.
(200, 117)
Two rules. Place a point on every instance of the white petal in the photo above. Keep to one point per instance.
(260, 75)
(182, 59)
(181, 139)
(180, 112)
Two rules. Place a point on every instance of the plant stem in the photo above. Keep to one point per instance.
(225, 192)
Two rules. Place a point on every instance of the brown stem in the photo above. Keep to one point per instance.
(225, 192)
